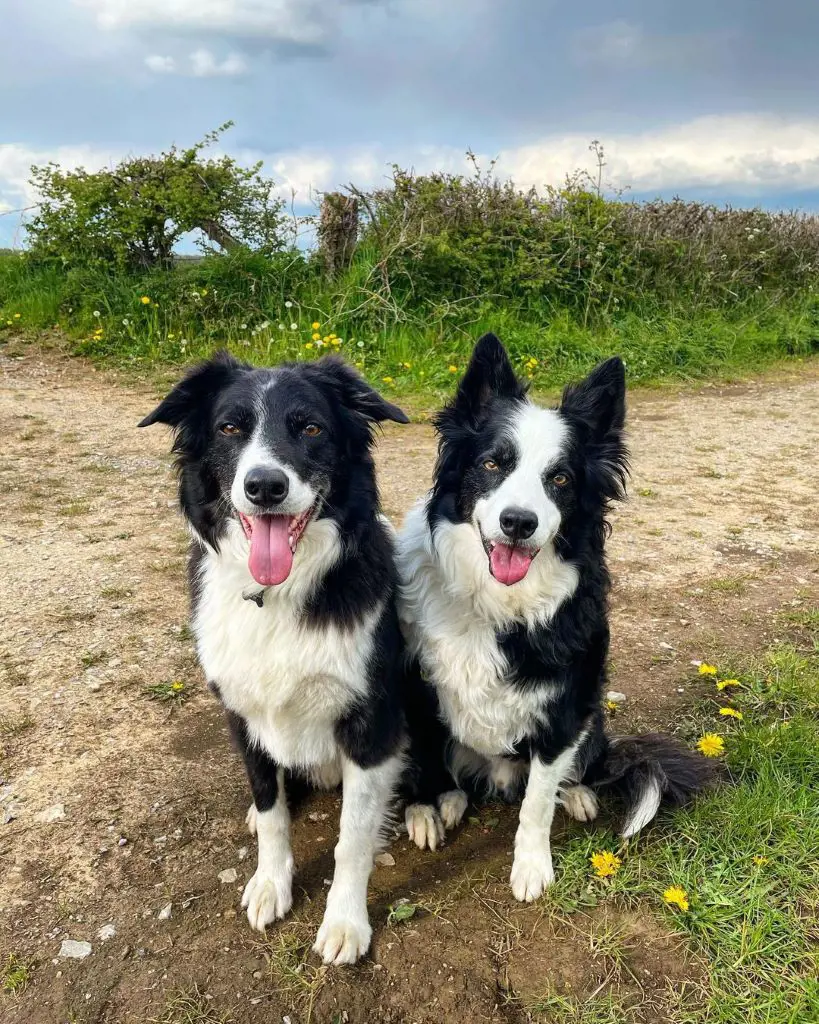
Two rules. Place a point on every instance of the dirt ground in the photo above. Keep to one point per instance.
(114, 806)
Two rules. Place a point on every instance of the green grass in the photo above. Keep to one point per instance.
(417, 351)
(190, 1008)
(16, 974)
(175, 692)
(746, 855)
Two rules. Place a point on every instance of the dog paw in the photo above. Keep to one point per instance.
(267, 897)
(424, 826)
(580, 803)
(531, 874)
(342, 941)
(452, 806)
(250, 819)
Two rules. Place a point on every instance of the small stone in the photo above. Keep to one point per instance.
(615, 696)
(50, 814)
(108, 931)
(122, 842)
(71, 949)
(242, 852)
(165, 913)
(95, 686)
(227, 876)
(257, 975)
(317, 816)
(385, 860)
(666, 646)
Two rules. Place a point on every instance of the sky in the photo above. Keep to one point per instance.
(703, 99)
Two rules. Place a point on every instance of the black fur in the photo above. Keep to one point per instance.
(572, 650)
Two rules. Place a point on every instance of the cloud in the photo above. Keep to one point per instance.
(200, 64)
(205, 65)
(160, 65)
(296, 21)
(626, 47)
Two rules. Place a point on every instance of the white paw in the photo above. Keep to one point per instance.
(531, 874)
(341, 941)
(250, 819)
(268, 897)
(579, 802)
(452, 806)
(424, 826)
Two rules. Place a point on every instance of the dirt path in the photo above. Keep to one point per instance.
(114, 805)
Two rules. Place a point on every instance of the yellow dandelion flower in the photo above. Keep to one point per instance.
(711, 745)
(145, 300)
(326, 338)
(707, 670)
(17, 316)
(177, 686)
(315, 325)
(730, 713)
(332, 336)
(407, 366)
(204, 291)
(605, 863)
(611, 705)
(335, 341)
(387, 380)
(316, 337)
(674, 896)
(723, 684)
(453, 368)
(761, 861)
(309, 344)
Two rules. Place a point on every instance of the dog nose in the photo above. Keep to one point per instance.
(518, 523)
(266, 486)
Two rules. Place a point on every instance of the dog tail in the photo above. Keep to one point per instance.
(648, 770)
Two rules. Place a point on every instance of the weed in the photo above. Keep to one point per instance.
(646, 492)
(190, 1008)
(175, 692)
(288, 956)
(16, 974)
(77, 507)
(91, 658)
(13, 725)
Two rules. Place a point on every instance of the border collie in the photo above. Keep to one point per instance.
(504, 603)
(293, 585)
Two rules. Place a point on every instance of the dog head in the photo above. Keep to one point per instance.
(523, 476)
(274, 450)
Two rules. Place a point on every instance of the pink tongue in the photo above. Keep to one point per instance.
(509, 565)
(270, 559)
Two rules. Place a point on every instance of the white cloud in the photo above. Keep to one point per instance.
(296, 21)
(160, 65)
(205, 65)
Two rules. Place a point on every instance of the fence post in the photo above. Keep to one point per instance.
(337, 232)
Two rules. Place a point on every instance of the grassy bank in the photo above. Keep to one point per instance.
(270, 310)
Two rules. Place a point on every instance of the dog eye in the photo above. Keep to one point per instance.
(560, 479)
(312, 430)
(491, 465)
(230, 429)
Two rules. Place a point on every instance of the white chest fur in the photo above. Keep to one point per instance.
(290, 681)
(451, 608)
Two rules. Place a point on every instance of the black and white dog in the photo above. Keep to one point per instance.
(504, 603)
(293, 588)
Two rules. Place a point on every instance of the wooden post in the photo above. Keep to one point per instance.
(337, 232)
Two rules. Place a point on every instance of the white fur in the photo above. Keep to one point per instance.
(450, 608)
(290, 682)
(256, 454)
(269, 893)
(579, 802)
(532, 869)
(645, 810)
(345, 932)
(538, 436)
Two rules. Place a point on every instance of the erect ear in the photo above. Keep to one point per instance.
(354, 392)
(187, 408)
(597, 408)
(488, 375)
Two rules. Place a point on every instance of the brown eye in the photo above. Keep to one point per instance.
(230, 429)
(491, 466)
(312, 430)
(560, 479)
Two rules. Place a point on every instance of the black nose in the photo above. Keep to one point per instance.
(518, 523)
(266, 486)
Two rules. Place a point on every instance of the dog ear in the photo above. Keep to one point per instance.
(354, 392)
(597, 408)
(187, 407)
(488, 375)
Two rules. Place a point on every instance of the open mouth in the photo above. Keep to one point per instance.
(508, 563)
(273, 542)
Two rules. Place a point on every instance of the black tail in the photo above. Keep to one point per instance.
(647, 771)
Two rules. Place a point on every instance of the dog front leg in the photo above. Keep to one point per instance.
(532, 869)
(345, 932)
